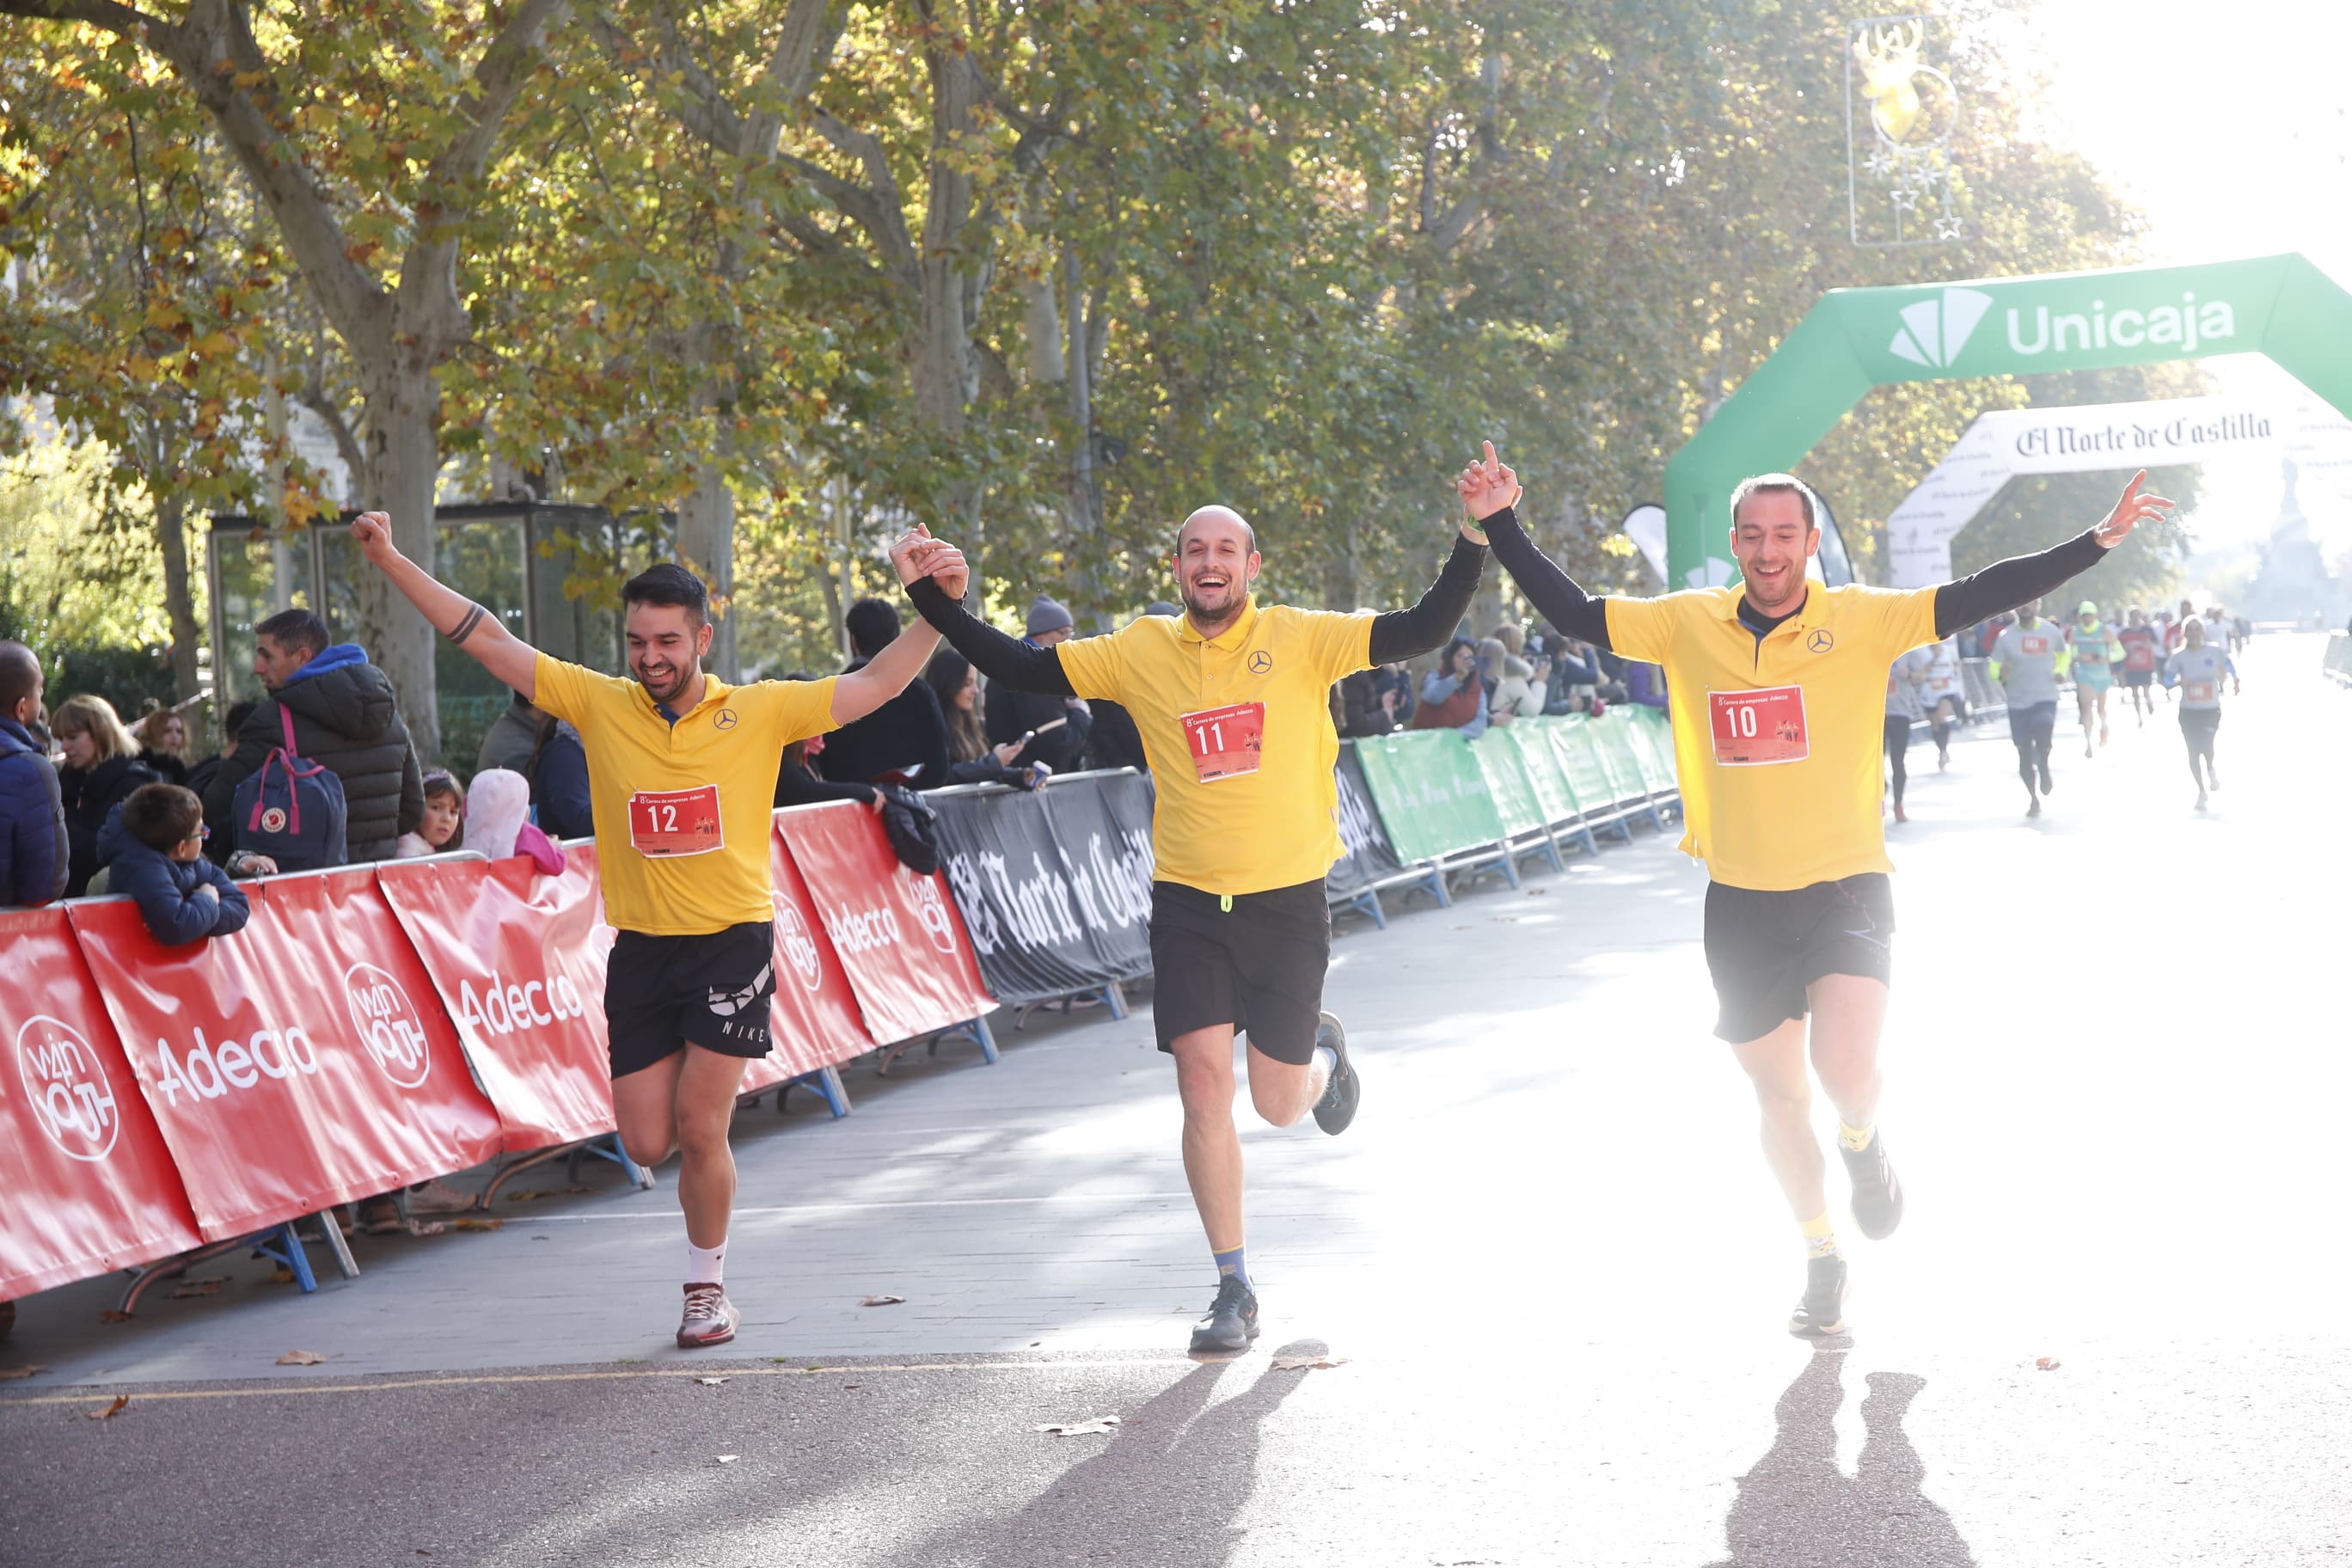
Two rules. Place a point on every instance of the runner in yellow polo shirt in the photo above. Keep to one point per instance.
(1232, 702)
(1777, 687)
(682, 769)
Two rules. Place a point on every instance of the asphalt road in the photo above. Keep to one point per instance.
(1548, 1255)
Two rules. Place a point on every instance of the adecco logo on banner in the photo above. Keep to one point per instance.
(1932, 333)
(503, 1007)
(799, 947)
(389, 1024)
(65, 1085)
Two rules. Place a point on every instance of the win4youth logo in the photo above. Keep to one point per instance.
(1934, 331)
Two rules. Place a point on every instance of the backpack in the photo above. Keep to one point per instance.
(292, 809)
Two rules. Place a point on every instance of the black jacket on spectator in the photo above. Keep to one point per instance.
(345, 718)
(1112, 740)
(907, 731)
(34, 855)
(164, 765)
(511, 738)
(1010, 715)
(558, 773)
(1360, 714)
(88, 797)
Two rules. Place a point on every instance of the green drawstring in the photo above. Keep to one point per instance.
(1225, 902)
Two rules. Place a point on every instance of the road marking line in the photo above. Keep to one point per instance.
(100, 1390)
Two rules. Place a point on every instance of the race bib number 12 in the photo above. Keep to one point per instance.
(676, 822)
(1752, 729)
(1225, 743)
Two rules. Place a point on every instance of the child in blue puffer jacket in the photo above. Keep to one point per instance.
(154, 847)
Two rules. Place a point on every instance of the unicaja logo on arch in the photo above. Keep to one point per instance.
(1933, 333)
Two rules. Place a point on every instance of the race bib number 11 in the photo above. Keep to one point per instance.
(1225, 743)
(676, 822)
(1752, 729)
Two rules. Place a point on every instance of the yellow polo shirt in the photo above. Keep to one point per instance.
(1271, 820)
(668, 866)
(1778, 746)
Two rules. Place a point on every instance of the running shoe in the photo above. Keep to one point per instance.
(438, 1196)
(710, 1318)
(1877, 1194)
(2034, 808)
(2048, 783)
(1232, 1322)
(1345, 1091)
(1820, 1312)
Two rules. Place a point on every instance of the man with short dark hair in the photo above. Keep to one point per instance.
(1776, 685)
(346, 718)
(905, 740)
(34, 848)
(682, 767)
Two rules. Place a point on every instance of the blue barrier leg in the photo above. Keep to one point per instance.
(1368, 904)
(980, 1031)
(282, 1245)
(827, 1081)
(1509, 864)
(608, 1147)
(1551, 853)
(1115, 998)
(1437, 887)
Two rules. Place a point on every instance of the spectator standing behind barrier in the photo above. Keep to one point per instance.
(1361, 709)
(956, 684)
(163, 737)
(154, 853)
(1394, 684)
(346, 718)
(444, 827)
(1113, 741)
(1516, 695)
(1057, 728)
(1452, 695)
(101, 769)
(201, 772)
(511, 738)
(34, 853)
(548, 753)
(906, 738)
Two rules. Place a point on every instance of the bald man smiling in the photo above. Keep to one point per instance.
(1232, 701)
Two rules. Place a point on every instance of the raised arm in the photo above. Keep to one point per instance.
(2005, 584)
(464, 623)
(884, 676)
(1490, 490)
(1407, 634)
(936, 576)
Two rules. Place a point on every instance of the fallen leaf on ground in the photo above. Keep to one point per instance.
(849, 1386)
(300, 1358)
(728, 1458)
(480, 1224)
(10, 1374)
(112, 1316)
(1307, 1363)
(282, 1275)
(711, 1381)
(882, 1301)
(1081, 1428)
(1538, 892)
(187, 1289)
(108, 1412)
(579, 1189)
(2045, 1363)
(529, 1195)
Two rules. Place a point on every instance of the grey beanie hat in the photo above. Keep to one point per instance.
(1048, 615)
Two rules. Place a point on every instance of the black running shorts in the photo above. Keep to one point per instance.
(661, 992)
(1764, 948)
(1257, 966)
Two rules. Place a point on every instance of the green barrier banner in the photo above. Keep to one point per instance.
(1431, 794)
(1554, 797)
(1653, 746)
(1507, 781)
(1580, 761)
(1612, 738)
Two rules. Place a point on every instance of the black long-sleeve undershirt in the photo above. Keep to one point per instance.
(1395, 634)
(2003, 585)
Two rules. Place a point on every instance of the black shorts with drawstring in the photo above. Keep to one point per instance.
(1258, 966)
(714, 990)
(1763, 949)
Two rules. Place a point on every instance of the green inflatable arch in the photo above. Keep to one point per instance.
(1855, 339)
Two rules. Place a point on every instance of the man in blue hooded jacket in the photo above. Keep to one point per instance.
(32, 814)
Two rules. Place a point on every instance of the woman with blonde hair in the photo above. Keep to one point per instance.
(163, 737)
(101, 767)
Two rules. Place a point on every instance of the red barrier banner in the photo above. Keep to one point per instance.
(518, 959)
(816, 1022)
(898, 935)
(89, 1186)
(286, 1071)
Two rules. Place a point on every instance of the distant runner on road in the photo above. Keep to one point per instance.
(1232, 702)
(2027, 658)
(682, 768)
(2091, 649)
(1776, 685)
(2143, 651)
(2198, 667)
(1905, 709)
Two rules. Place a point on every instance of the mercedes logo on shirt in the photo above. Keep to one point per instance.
(1261, 662)
(1820, 641)
(726, 719)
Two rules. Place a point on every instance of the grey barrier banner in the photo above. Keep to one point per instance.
(1054, 885)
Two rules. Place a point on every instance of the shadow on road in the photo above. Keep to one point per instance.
(1165, 1492)
(1797, 1506)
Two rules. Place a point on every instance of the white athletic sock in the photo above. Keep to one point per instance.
(1331, 1060)
(706, 1265)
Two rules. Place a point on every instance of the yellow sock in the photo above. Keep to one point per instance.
(1855, 1139)
(1820, 1241)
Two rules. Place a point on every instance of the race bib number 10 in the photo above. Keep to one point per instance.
(1225, 743)
(1752, 729)
(676, 822)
